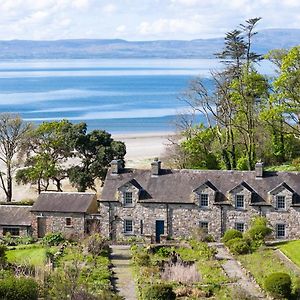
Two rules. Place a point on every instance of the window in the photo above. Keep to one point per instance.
(204, 226)
(11, 230)
(280, 230)
(280, 202)
(204, 200)
(68, 221)
(142, 226)
(128, 199)
(239, 201)
(128, 226)
(240, 227)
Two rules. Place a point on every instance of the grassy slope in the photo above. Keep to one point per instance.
(291, 250)
(262, 263)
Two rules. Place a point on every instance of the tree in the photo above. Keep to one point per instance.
(13, 134)
(96, 150)
(49, 147)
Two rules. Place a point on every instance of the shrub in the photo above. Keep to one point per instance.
(96, 244)
(238, 246)
(53, 239)
(259, 232)
(165, 251)
(278, 285)
(142, 259)
(18, 288)
(231, 234)
(3, 258)
(159, 292)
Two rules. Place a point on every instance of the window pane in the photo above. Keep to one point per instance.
(280, 202)
(68, 221)
(128, 198)
(128, 226)
(11, 230)
(240, 227)
(280, 230)
(204, 226)
(239, 201)
(203, 199)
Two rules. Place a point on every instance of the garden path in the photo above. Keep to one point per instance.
(234, 271)
(123, 277)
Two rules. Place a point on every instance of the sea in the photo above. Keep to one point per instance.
(117, 95)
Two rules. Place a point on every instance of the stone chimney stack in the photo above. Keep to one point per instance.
(155, 167)
(259, 170)
(116, 166)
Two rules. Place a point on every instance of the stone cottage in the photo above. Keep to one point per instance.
(160, 203)
(70, 213)
(15, 220)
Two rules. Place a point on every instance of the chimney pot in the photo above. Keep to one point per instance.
(259, 170)
(116, 166)
(155, 167)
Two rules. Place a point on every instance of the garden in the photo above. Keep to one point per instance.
(55, 268)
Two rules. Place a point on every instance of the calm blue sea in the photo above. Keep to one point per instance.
(120, 96)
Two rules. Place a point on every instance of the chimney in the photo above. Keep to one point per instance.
(116, 166)
(155, 167)
(259, 170)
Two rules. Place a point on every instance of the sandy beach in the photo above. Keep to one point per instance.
(142, 148)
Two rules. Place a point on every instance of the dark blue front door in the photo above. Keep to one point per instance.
(159, 229)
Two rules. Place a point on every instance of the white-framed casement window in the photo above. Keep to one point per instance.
(280, 202)
(128, 226)
(239, 201)
(203, 198)
(204, 226)
(128, 199)
(280, 231)
(240, 226)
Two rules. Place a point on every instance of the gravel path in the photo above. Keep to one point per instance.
(234, 271)
(123, 277)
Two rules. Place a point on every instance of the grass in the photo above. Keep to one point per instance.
(291, 250)
(34, 255)
(262, 263)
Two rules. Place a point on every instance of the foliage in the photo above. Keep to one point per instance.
(3, 258)
(201, 235)
(231, 234)
(13, 134)
(238, 246)
(18, 288)
(142, 258)
(159, 292)
(96, 244)
(258, 232)
(96, 150)
(53, 239)
(278, 285)
(9, 240)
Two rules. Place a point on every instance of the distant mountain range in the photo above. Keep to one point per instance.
(117, 48)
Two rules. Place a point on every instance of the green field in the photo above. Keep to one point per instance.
(291, 250)
(35, 256)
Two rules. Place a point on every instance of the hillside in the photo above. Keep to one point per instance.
(117, 48)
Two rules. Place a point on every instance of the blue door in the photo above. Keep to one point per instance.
(159, 229)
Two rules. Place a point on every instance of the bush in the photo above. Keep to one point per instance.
(96, 244)
(238, 246)
(231, 234)
(159, 292)
(259, 232)
(3, 258)
(53, 239)
(278, 285)
(18, 288)
(142, 259)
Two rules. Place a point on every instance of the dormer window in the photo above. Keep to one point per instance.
(203, 200)
(280, 202)
(239, 201)
(128, 199)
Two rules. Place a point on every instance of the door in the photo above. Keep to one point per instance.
(41, 227)
(159, 229)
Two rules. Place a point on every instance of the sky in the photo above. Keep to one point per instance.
(139, 19)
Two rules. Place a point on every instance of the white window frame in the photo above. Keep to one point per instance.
(240, 226)
(204, 197)
(126, 231)
(126, 196)
(280, 198)
(236, 201)
(281, 230)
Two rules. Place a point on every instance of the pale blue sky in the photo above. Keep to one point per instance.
(139, 19)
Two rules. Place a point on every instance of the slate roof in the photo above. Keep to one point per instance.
(63, 202)
(15, 215)
(176, 186)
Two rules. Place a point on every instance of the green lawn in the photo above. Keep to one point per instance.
(262, 263)
(291, 250)
(30, 255)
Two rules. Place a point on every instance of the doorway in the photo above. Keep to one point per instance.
(159, 229)
(41, 227)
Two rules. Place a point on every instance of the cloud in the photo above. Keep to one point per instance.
(121, 28)
(109, 8)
